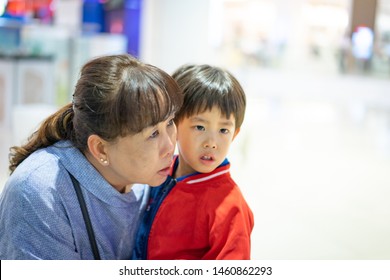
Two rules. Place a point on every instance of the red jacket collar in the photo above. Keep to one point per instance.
(200, 177)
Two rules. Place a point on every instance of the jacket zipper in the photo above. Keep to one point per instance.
(164, 192)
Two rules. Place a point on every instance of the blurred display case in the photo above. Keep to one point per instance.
(40, 63)
(35, 80)
(10, 36)
(84, 48)
(6, 90)
(25, 80)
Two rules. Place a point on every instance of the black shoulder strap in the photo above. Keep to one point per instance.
(87, 220)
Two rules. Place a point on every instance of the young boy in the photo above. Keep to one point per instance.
(199, 212)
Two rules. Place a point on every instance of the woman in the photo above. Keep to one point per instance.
(118, 131)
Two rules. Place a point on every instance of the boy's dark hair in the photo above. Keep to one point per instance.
(206, 86)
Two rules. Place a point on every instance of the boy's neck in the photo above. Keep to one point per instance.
(182, 169)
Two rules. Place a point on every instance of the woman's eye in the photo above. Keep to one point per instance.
(171, 122)
(200, 128)
(224, 131)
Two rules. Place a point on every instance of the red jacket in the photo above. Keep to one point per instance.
(203, 216)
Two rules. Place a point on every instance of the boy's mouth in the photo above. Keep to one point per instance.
(207, 158)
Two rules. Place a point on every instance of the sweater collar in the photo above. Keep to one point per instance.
(90, 179)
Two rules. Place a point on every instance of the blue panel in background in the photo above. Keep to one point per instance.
(132, 17)
(104, 17)
(93, 16)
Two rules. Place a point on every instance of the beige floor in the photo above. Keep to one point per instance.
(313, 160)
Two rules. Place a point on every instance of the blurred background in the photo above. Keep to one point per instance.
(313, 155)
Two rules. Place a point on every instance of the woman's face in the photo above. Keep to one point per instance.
(141, 158)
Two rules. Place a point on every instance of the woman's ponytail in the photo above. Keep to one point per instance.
(58, 126)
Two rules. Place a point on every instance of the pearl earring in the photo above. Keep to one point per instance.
(104, 161)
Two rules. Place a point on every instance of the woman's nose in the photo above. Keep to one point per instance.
(170, 145)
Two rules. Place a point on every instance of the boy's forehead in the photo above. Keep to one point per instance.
(215, 112)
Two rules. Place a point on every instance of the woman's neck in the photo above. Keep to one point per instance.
(104, 171)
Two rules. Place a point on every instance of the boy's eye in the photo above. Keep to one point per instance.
(224, 130)
(199, 127)
(154, 134)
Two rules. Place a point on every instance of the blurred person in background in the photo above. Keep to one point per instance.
(362, 47)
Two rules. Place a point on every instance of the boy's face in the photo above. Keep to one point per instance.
(203, 141)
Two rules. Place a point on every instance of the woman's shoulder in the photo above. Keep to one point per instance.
(36, 174)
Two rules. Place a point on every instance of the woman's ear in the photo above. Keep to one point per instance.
(97, 148)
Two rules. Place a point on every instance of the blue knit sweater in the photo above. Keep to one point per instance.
(40, 216)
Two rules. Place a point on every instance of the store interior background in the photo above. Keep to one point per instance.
(313, 155)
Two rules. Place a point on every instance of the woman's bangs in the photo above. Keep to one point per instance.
(158, 106)
(151, 105)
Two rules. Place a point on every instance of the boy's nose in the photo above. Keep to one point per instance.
(210, 146)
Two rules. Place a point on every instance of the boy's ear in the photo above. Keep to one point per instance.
(96, 146)
(236, 133)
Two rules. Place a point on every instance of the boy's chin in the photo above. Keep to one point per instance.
(207, 169)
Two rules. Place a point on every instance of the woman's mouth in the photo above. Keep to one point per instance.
(164, 171)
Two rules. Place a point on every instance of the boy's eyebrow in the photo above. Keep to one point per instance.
(199, 119)
(227, 123)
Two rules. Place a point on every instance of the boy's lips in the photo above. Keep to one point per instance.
(207, 159)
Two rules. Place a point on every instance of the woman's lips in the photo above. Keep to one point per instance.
(164, 171)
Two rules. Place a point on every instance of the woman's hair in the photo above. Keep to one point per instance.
(206, 86)
(115, 96)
